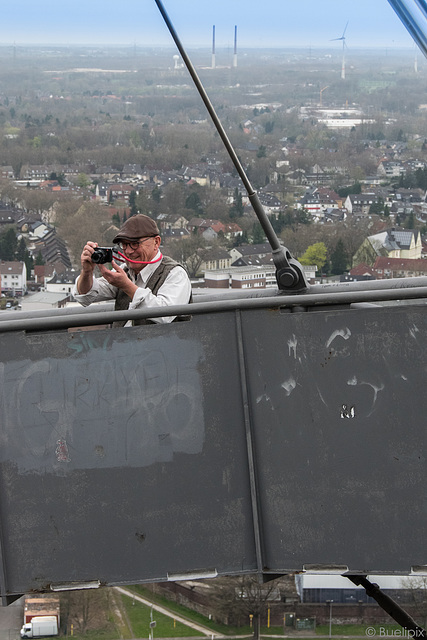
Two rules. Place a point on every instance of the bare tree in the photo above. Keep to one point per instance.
(91, 221)
(188, 252)
(85, 609)
(9, 192)
(243, 599)
(416, 589)
(40, 202)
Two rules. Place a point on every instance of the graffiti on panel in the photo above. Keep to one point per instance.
(105, 403)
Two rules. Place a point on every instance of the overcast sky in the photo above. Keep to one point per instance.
(261, 23)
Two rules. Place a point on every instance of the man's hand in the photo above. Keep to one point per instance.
(86, 257)
(118, 278)
(85, 281)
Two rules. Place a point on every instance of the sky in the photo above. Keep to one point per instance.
(261, 23)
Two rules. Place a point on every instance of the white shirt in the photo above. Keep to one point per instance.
(176, 289)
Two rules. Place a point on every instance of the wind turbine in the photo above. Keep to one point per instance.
(343, 51)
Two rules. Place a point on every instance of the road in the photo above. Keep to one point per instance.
(198, 627)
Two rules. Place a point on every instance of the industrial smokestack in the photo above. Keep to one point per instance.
(235, 47)
(213, 47)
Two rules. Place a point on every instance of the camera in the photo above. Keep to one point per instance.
(101, 255)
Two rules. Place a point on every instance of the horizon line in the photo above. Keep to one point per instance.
(201, 46)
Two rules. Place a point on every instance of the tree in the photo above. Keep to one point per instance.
(81, 608)
(339, 258)
(302, 216)
(29, 262)
(9, 192)
(91, 221)
(316, 254)
(416, 588)
(132, 203)
(353, 189)
(258, 236)
(174, 195)
(242, 599)
(83, 181)
(156, 194)
(39, 201)
(410, 222)
(236, 209)
(21, 250)
(142, 202)
(194, 202)
(8, 244)
(188, 252)
(59, 177)
(39, 259)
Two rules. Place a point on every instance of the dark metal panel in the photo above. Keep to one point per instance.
(339, 403)
(263, 444)
(123, 455)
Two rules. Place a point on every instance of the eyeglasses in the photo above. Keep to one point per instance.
(133, 245)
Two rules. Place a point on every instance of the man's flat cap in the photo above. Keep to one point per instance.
(136, 227)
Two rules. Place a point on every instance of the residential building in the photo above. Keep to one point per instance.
(250, 250)
(50, 185)
(399, 267)
(317, 200)
(101, 192)
(174, 234)
(210, 229)
(214, 259)
(61, 283)
(13, 278)
(8, 216)
(391, 243)
(360, 202)
(53, 249)
(120, 192)
(171, 221)
(253, 261)
(270, 203)
(391, 169)
(105, 173)
(359, 273)
(132, 172)
(35, 172)
(6, 172)
(196, 174)
(44, 272)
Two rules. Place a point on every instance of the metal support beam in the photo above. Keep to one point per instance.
(290, 275)
(389, 605)
(249, 444)
(310, 302)
(410, 22)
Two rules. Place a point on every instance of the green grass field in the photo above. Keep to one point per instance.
(140, 617)
(127, 618)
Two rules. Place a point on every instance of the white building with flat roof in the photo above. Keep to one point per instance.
(249, 277)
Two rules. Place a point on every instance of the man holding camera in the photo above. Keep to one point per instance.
(149, 279)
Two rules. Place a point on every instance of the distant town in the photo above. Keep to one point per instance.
(90, 137)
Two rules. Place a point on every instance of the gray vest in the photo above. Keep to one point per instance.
(154, 283)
